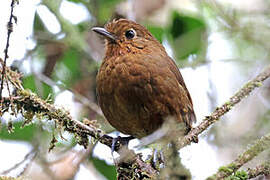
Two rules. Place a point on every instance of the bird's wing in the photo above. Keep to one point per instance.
(165, 72)
(190, 115)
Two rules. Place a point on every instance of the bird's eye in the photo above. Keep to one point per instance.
(130, 34)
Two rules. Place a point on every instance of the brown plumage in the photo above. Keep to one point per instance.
(138, 84)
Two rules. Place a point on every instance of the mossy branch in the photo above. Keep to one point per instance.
(255, 149)
(220, 111)
(26, 101)
(263, 169)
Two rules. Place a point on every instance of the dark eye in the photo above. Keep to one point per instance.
(130, 34)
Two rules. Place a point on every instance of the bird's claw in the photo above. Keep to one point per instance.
(157, 159)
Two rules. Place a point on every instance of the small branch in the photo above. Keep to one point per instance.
(220, 111)
(12, 76)
(84, 100)
(263, 169)
(29, 156)
(10, 30)
(173, 167)
(30, 102)
(258, 147)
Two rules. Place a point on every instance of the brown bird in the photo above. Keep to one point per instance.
(138, 84)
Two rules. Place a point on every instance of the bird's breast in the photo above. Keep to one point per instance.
(121, 74)
(125, 94)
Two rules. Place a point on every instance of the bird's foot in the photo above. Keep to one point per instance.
(120, 141)
(157, 159)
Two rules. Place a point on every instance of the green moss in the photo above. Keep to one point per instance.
(24, 93)
(28, 115)
(258, 84)
(239, 175)
(229, 105)
(225, 169)
(232, 166)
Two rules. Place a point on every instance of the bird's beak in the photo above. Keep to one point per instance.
(104, 32)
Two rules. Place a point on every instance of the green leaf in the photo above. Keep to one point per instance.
(83, 26)
(186, 35)
(47, 91)
(20, 134)
(29, 83)
(108, 171)
(38, 24)
(182, 24)
(158, 32)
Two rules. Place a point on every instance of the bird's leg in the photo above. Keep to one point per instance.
(123, 141)
(156, 159)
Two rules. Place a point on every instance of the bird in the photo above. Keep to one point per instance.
(138, 84)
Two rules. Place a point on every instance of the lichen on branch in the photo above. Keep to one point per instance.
(258, 146)
(227, 106)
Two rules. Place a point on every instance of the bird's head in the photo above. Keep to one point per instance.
(124, 36)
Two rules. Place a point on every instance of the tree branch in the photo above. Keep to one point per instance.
(263, 169)
(30, 102)
(220, 111)
(258, 147)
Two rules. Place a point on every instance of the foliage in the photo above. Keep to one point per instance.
(42, 89)
(108, 171)
(19, 133)
(186, 35)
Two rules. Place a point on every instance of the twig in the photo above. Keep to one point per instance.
(258, 147)
(85, 101)
(13, 77)
(220, 111)
(10, 30)
(174, 169)
(26, 157)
